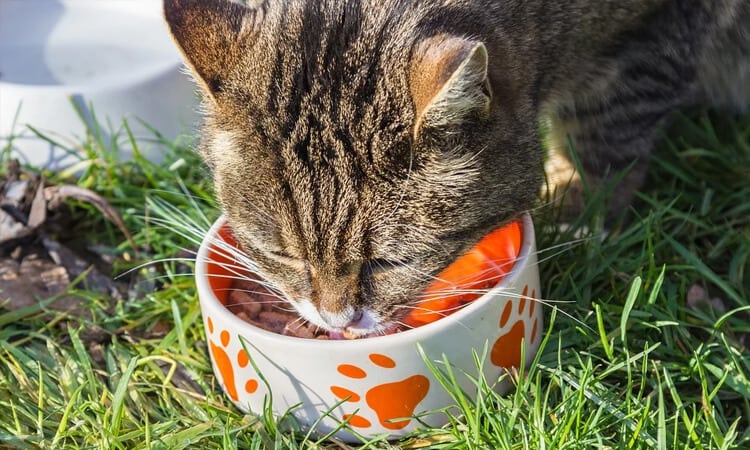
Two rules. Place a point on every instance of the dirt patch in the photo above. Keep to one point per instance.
(39, 262)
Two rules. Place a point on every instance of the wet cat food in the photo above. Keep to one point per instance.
(254, 304)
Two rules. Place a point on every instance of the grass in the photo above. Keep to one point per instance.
(627, 362)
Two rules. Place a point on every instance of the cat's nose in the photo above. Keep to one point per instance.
(343, 318)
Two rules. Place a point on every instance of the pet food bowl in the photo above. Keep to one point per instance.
(66, 63)
(378, 385)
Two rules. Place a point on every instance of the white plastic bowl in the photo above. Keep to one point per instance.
(378, 383)
(116, 55)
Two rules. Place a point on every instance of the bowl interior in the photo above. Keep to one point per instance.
(221, 269)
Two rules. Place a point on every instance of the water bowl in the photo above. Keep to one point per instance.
(65, 64)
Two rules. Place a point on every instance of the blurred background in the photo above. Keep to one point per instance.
(69, 68)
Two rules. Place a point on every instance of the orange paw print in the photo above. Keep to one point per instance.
(506, 352)
(226, 365)
(389, 401)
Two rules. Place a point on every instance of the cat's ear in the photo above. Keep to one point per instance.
(208, 33)
(449, 81)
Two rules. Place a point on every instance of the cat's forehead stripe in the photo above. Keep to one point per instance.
(324, 196)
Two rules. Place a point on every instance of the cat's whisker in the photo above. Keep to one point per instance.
(565, 244)
(502, 263)
(270, 288)
(476, 154)
(184, 193)
(193, 199)
(272, 303)
(317, 328)
(159, 278)
(298, 321)
(540, 206)
(509, 294)
(152, 263)
(259, 293)
(443, 315)
(236, 276)
(445, 312)
(550, 303)
(424, 240)
(231, 252)
(402, 325)
(233, 267)
(166, 211)
(191, 233)
(185, 226)
(267, 216)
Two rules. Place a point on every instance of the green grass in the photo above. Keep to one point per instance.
(626, 363)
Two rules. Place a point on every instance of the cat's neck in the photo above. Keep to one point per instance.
(556, 47)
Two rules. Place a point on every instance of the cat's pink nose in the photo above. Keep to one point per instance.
(341, 319)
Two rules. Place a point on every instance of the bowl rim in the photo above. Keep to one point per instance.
(414, 335)
(142, 8)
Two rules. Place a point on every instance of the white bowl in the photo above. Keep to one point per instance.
(377, 383)
(115, 55)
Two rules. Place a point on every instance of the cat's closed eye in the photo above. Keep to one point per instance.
(286, 259)
(377, 266)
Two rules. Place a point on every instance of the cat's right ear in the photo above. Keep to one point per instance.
(209, 33)
(449, 82)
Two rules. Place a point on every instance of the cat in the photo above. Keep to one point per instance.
(360, 146)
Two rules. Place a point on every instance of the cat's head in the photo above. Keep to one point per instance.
(356, 149)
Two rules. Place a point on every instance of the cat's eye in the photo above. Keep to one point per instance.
(379, 265)
(289, 260)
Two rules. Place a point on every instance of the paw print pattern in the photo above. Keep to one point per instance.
(389, 401)
(506, 352)
(225, 364)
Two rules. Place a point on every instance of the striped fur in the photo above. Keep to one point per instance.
(359, 146)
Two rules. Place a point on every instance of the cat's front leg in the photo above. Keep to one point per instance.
(612, 155)
(611, 116)
(609, 133)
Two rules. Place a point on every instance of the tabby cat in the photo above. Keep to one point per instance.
(360, 146)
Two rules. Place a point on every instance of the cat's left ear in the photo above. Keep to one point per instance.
(209, 33)
(449, 82)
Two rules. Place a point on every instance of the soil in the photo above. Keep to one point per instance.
(42, 255)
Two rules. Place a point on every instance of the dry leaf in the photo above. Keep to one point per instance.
(56, 195)
(38, 211)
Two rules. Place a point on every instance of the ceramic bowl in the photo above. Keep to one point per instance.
(377, 384)
(117, 55)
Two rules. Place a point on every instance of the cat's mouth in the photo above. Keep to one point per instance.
(368, 323)
(252, 301)
(354, 333)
